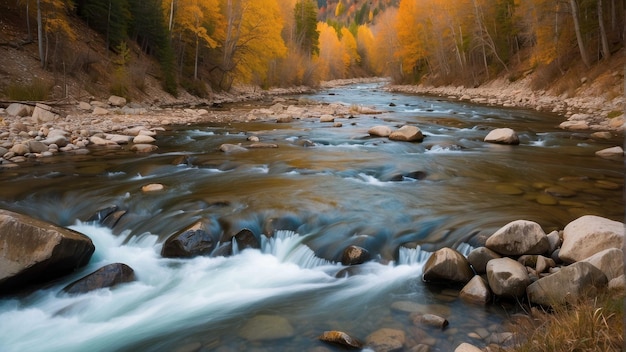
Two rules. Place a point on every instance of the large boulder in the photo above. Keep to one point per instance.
(589, 235)
(609, 261)
(407, 133)
(507, 277)
(107, 276)
(518, 238)
(379, 131)
(502, 136)
(34, 251)
(567, 285)
(447, 265)
(190, 242)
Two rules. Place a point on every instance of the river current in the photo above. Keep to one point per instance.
(324, 188)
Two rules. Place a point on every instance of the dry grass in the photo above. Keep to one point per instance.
(37, 90)
(590, 325)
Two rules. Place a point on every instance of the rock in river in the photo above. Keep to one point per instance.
(107, 276)
(447, 264)
(502, 136)
(33, 251)
(190, 242)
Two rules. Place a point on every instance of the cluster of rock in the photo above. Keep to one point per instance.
(32, 132)
(35, 252)
(406, 133)
(592, 112)
(520, 261)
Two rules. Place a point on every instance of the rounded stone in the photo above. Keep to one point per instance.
(447, 265)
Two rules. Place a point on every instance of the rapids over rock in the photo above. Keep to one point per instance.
(319, 189)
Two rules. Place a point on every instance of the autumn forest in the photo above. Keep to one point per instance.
(213, 44)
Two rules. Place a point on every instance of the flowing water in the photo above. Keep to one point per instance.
(324, 188)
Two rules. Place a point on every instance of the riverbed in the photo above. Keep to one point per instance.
(321, 189)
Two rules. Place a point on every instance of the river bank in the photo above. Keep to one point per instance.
(24, 127)
(596, 112)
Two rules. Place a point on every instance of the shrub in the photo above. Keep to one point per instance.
(195, 87)
(594, 324)
(36, 90)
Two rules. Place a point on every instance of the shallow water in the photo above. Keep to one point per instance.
(313, 200)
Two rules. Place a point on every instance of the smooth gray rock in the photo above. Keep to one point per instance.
(519, 237)
(507, 277)
(609, 261)
(589, 235)
(479, 257)
(567, 285)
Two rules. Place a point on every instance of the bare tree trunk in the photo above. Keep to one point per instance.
(40, 34)
(171, 15)
(579, 37)
(606, 52)
(195, 69)
(30, 33)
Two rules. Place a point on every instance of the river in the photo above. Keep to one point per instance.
(324, 188)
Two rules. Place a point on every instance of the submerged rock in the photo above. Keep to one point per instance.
(266, 327)
(386, 340)
(35, 251)
(108, 276)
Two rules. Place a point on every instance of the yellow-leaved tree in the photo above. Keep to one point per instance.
(413, 30)
(384, 59)
(365, 47)
(330, 65)
(252, 40)
(197, 22)
(53, 26)
(349, 56)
